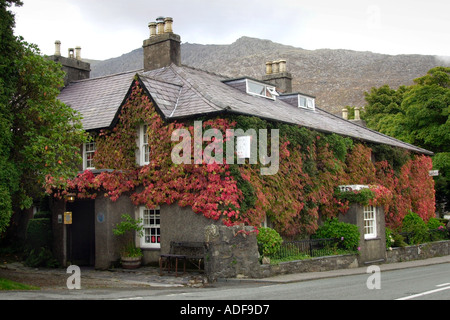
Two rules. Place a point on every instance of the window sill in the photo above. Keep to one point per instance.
(373, 238)
(150, 249)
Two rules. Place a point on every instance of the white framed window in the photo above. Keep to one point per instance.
(306, 102)
(144, 148)
(152, 229)
(261, 89)
(370, 226)
(88, 155)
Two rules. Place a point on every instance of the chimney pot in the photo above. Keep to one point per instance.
(152, 27)
(357, 115)
(282, 66)
(78, 53)
(168, 23)
(345, 113)
(57, 48)
(71, 53)
(160, 23)
(276, 67)
(269, 67)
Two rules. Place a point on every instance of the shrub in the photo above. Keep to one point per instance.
(398, 240)
(41, 257)
(437, 229)
(348, 233)
(415, 227)
(39, 233)
(38, 243)
(269, 241)
(389, 238)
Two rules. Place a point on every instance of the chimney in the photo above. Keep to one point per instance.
(163, 46)
(57, 48)
(277, 75)
(78, 53)
(74, 68)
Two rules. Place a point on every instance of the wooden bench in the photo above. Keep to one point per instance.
(184, 251)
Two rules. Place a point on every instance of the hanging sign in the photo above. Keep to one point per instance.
(68, 217)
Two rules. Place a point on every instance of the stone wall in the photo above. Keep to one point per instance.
(418, 252)
(231, 252)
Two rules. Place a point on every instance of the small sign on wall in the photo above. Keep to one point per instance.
(243, 147)
(434, 173)
(68, 217)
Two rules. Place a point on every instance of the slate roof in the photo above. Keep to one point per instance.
(98, 99)
(181, 92)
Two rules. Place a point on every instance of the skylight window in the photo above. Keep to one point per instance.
(261, 89)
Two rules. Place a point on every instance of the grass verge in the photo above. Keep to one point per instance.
(6, 284)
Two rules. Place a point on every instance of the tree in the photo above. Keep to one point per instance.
(40, 135)
(418, 114)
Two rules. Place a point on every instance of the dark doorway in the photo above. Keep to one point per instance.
(81, 233)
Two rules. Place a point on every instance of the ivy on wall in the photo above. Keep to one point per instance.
(312, 166)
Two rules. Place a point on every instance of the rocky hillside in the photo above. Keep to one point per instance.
(336, 77)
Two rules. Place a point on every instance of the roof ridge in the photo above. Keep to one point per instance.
(108, 75)
(159, 80)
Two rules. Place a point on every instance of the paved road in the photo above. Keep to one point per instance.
(419, 283)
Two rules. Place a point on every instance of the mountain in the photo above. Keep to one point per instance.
(337, 78)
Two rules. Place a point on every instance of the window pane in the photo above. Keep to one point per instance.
(257, 88)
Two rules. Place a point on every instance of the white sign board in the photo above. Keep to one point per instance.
(353, 187)
(243, 149)
(434, 173)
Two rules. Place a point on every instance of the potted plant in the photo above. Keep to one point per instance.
(131, 256)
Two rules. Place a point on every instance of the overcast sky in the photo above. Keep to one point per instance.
(109, 28)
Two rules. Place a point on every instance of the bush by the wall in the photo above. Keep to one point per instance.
(437, 230)
(346, 232)
(38, 243)
(415, 228)
(269, 241)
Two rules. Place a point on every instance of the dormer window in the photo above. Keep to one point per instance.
(299, 100)
(261, 89)
(306, 102)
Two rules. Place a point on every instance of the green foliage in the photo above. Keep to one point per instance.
(38, 244)
(41, 257)
(39, 135)
(348, 233)
(39, 233)
(441, 162)
(418, 114)
(437, 230)
(362, 196)
(398, 240)
(415, 227)
(269, 241)
(127, 225)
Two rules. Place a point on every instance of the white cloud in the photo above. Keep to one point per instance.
(106, 29)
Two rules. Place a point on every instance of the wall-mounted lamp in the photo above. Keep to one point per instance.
(70, 197)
